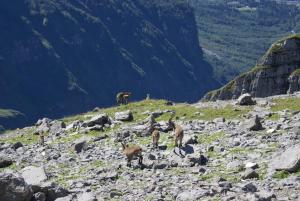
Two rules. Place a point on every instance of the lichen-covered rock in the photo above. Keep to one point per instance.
(124, 116)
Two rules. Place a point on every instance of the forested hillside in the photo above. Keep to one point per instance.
(234, 34)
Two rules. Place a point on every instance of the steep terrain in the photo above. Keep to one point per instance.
(234, 34)
(277, 72)
(223, 156)
(64, 57)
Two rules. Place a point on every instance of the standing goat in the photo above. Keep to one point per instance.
(155, 137)
(178, 131)
(131, 152)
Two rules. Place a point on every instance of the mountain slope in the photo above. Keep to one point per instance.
(276, 73)
(234, 34)
(64, 57)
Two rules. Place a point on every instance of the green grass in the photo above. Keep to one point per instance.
(292, 104)
(274, 117)
(210, 138)
(280, 175)
(26, 139)
(296, 72)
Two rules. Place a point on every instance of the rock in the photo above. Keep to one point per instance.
(250, 174)
(80, 145)
(17, 145)
(40, 196)
(14, 188)
(294, 83)
(187, 139)
(289, 160)
(191, 195)
(249, 187)
(88, 196)
(34, 176)
(53, 191)
(254, 124)
(56, 127)
(265, 195)
(246, 99)
(124, 116)
(5, 162)
(67, 198)
(100, 119)
(251, 165)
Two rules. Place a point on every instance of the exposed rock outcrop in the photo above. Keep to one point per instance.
(276, 73)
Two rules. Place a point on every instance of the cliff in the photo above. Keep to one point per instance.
(277, 72)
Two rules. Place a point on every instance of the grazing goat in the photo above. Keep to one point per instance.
(155, 137)
(122, 98)
(131, 152)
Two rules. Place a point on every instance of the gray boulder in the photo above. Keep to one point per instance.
(99, 119)
(88, 196)
(79, 145)
(190, 195)
(34, 176)
(124, 116)
(5, 162)
(250, 174)
(40, 196)
(14, 188)
(53, 191)
(255, 124)
(17, 145)
(246, 99)
(289, 160)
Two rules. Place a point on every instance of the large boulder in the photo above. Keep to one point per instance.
(80, 145)
(53, 191)
(99, 119)
(34, 176)
(289, 160)
(5, 162)
(254, 124)
(14, 188)
(124, 116)
(246, 99)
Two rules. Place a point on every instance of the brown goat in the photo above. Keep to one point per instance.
(178, 131)
(131, 152)
(42, 139)
(155, 138)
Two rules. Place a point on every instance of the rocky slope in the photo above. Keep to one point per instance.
(277, 72)
(65, 57)
(230, 152)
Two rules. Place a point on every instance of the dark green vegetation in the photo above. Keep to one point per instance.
(234, 36)
(65, 57)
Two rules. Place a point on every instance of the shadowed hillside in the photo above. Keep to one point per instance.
(64, 57)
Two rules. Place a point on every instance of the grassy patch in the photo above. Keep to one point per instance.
(27, 138)
(292, 104)
(280, 175)
(274, 117)
(210, 138)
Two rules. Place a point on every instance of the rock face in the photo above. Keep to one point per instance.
(13, 188)
(276, 73)
(288, 160)
(137, 45)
